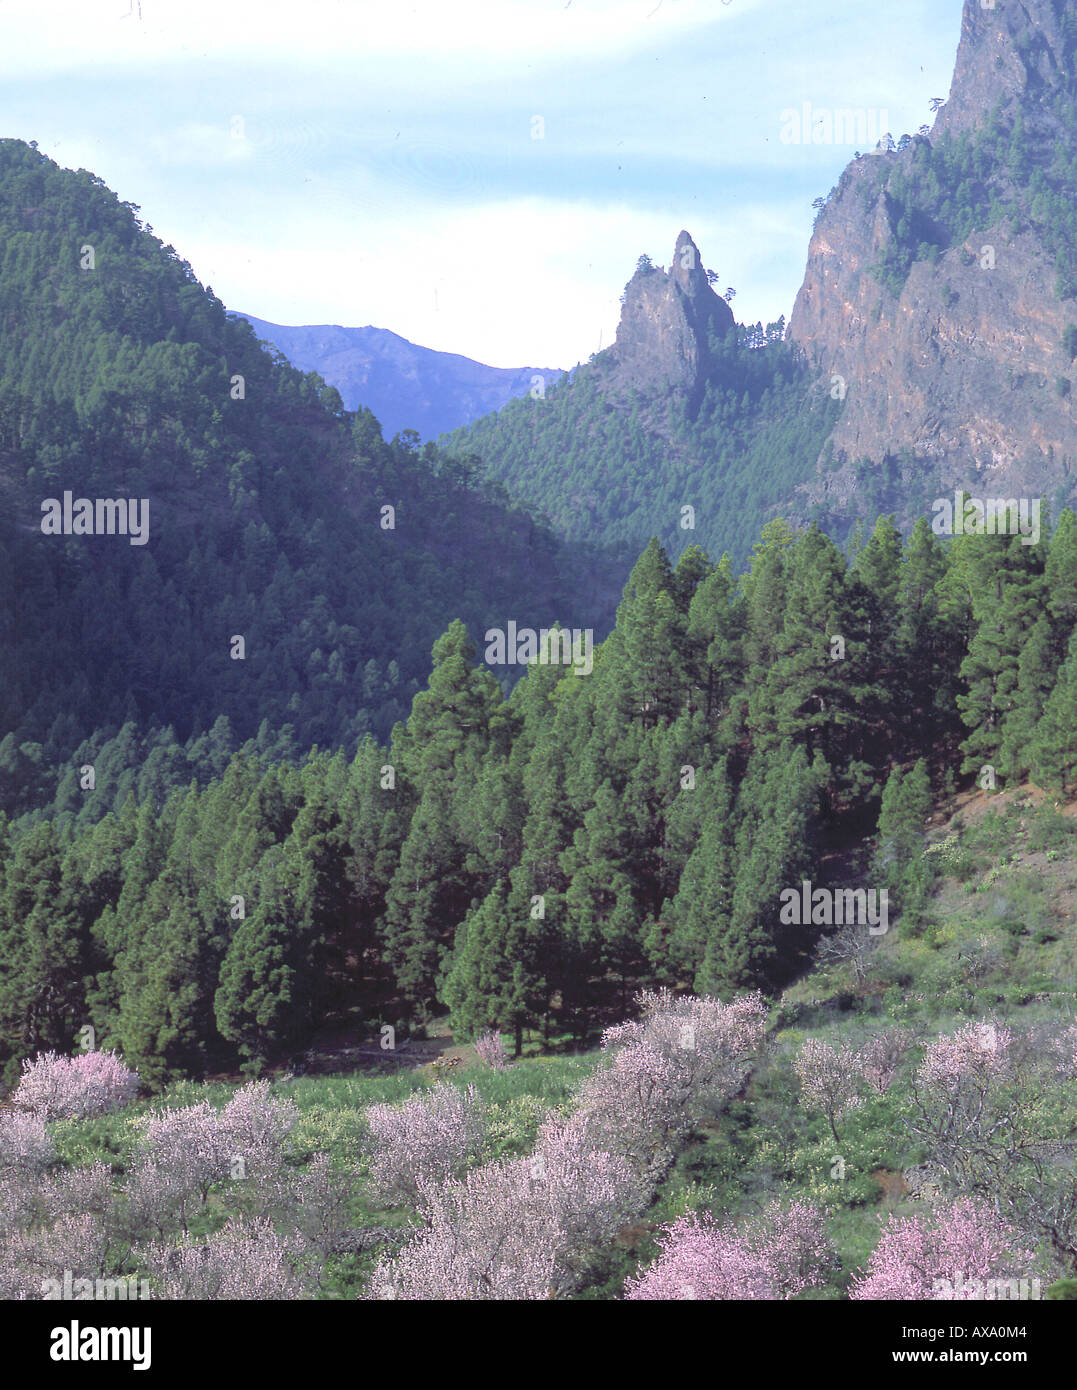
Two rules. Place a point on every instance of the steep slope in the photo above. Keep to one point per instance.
(933, 344)
(121, 379)
(942, 277)
(406, 386)
(690, 427)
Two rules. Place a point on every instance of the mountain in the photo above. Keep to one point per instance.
(941, 284)
(406, 386)
(690, 427)
(933, 344)
(293, 570)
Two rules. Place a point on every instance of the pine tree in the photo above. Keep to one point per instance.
(704, 899)
(929, 648)
(42, 989)
(779, 802)
(256, 1005)
(899, 853)
(1054, 747)
(1037, 672)
(1003, 579)
(487, 983)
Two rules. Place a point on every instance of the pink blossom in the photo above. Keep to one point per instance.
(28, 1258)
(773, 1257)
(187, 1151)
(977, 1053)
(68, 1088)
(669, 1069)
(24, 1143)
(319, 1200)
(527, 1228)
(942, 1257)
(519, 1228)
(237, 1262)
(829, 1080)
(431, 1136)
(878, 1060)
(491, 1050)
(486, 1237)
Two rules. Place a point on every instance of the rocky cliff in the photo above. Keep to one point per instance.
(670, 321)
(939, 294)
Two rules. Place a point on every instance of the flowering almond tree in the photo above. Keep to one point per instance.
(995, 1109)
(774, 1257)
(24, 1143)
(71, 1088)
(29, 1257)
(830, 1080)
(431, 1136)
(518, 1228)
(526, 1228)
(186, 1152)
(880, 1059)
(949, 1255)
(237, 1262)
(486, 1237)
(975, 1109)
(491, 1050)
(675, 1065)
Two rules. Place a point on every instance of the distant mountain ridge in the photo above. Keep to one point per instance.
(408, 387)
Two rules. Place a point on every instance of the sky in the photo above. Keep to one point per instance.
(479, 176)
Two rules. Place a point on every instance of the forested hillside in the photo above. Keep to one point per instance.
(529, 863)
(623, 460)
(121, 377)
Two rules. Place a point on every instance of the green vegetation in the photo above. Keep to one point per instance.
(265, 520)
(622, 465)
(997, 939)
(528, 863)
(1004, 174)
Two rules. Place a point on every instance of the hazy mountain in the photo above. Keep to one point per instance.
(406, 386)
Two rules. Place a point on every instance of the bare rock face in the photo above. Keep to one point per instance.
(668, 319)
(964, 368)
(1013, 51)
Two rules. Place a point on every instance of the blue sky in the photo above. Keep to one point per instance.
(480, 176)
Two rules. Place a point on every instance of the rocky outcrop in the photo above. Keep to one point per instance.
(964, 369)
(668, 322)
(1013, 51)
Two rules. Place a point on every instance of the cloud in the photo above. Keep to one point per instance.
(374, 163)
(67, 34)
